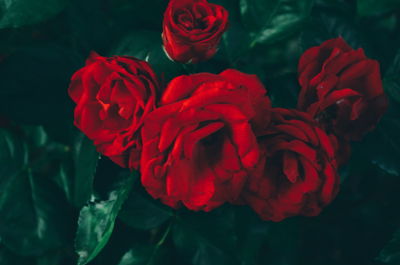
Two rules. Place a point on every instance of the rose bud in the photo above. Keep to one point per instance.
(113, 95)
(341, 88)
(297, 174)
(192, 29)
(200, 143)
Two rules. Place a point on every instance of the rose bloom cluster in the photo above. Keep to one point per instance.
(208, 139)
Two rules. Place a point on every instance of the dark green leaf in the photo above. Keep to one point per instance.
(207, 238)
(14, 158)
(147, 45)
(392, 79)
(144, 255)
(17, 13)
(391, 253)
(385, 143)
(384, 140)
(376, 7)
(96, 221)
(332, 21)
(392, 87)
(36, 135)
(50, 259)
(230, 47)
(32, 211)
(143, 212)
(32, 214)
(85, 159)
(64, 180)
(9, 258)
(270, 21)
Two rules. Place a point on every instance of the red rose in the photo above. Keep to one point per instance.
(112, 96)
(192, 29)
(200, 143)
(297, 175)
(341, 88)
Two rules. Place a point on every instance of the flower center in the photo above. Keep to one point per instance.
(196, 18)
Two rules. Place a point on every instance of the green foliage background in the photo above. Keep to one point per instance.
(63, 204)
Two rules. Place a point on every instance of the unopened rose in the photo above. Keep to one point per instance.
(192, 29)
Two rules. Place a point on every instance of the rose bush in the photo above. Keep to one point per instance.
(341, 88)
(207, 138)
(192, 29)
(113, 95)
(200, 144)
(297, 173)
